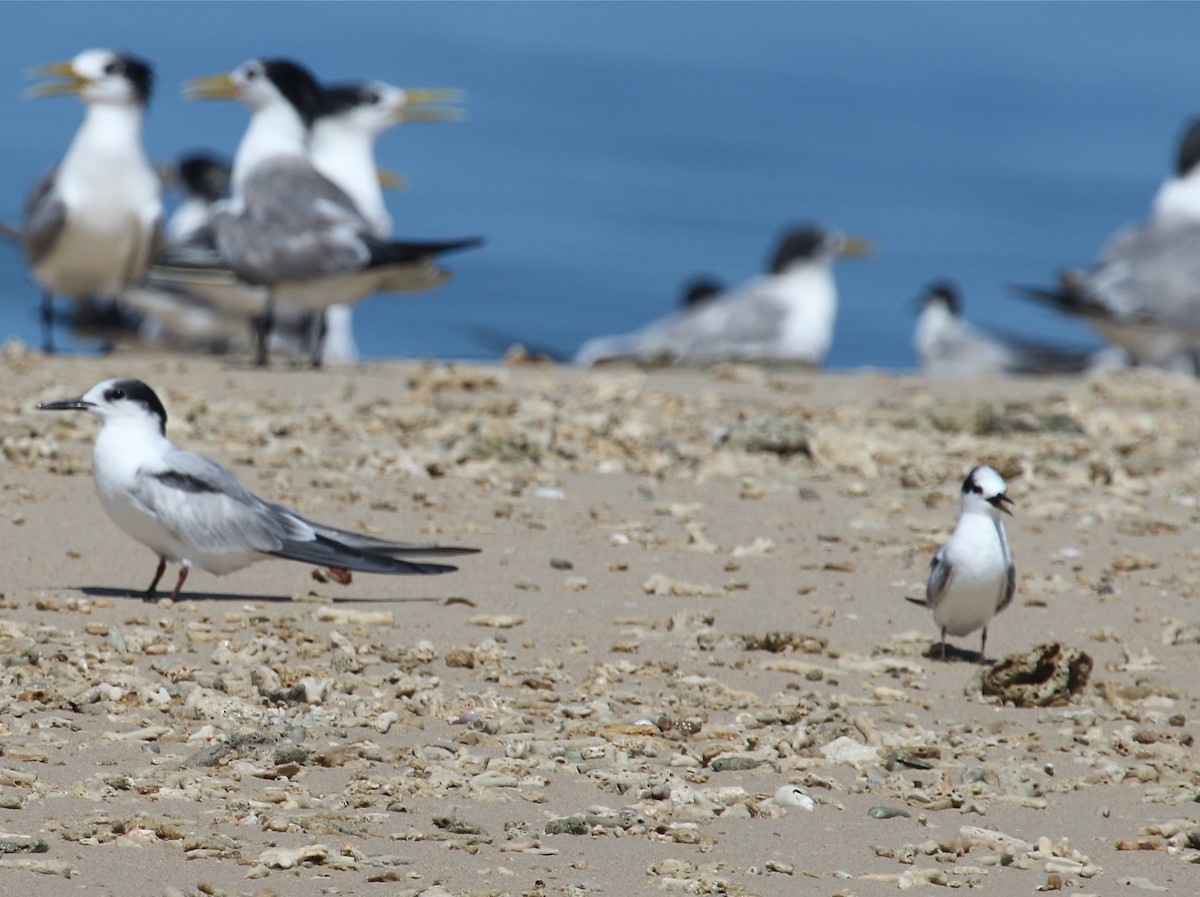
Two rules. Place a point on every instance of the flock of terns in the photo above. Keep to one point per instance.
(293, 231)
(283, 241)
(272, 251)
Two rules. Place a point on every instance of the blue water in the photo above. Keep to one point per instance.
(613, 150)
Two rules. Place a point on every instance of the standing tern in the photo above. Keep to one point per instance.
(350, 118)
(947, 346)
(787, 315)
(287, 227)
(972, 577)
(188, 509)
(92, 223)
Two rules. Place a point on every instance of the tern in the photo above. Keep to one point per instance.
(92, 223)
(1143, 295)
(972, 577)
(947, 346)
(287, 227)
(787, 315)
(188, 509)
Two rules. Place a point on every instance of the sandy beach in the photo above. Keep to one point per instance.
(691, 594)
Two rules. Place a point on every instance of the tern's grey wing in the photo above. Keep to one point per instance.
(204, 506)
(362, 542)
(743, 324)
(941, 571)
(294, 225)
(45, 218)
(1153, 274)
(1010, 588)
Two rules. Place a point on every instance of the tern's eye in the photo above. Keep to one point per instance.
(115, 394)
(252, 73)
(371, 97)
(113, 68)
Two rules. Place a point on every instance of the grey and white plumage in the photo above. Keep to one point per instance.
(287, 227)
(188, 509)
(91, 225)
(972, 577)
(786, 315)
(947, 346)
(1144, 296)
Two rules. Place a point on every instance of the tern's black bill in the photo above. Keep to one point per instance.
(1000, 502)
(66, 405)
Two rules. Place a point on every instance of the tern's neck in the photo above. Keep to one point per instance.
(348, 159)
(276, 131)
(109, 131)
(1178, 200)
(128, 443)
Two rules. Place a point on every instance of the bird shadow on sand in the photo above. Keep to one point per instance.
(106, 592)
(956, 655)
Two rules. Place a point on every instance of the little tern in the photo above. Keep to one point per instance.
(787, 315)
(287, 227)
(92, 223)
(188, 509)
(972, 577)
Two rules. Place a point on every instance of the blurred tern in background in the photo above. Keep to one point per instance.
(787, 315)
(188, 509)
(92, 224)
(287, 227)
(1143, 296)
(947, 346)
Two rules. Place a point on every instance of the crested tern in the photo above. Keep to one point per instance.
(287, 227)
(1143, 293)
(188, 509)
(972, 577)
(787, 315)
(947, 346)
(92, 223)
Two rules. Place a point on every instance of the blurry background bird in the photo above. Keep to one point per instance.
(787, 314)
(91, 224)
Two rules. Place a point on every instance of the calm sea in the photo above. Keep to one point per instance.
(612, 150)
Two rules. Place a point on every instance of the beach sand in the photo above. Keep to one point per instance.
(691, 593)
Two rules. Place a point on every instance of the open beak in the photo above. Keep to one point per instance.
(72, 83)
(416, 105)
(856, 247)
(1001, 502)
(76, 404)
(212, 87)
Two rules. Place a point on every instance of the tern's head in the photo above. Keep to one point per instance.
(201, 175)
(810, 243)
(942, 294)
(123, 399)
(98, 76)
(370, 108)
(701, 290)
(1189, 150)
(984, 490)
(262, 84)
